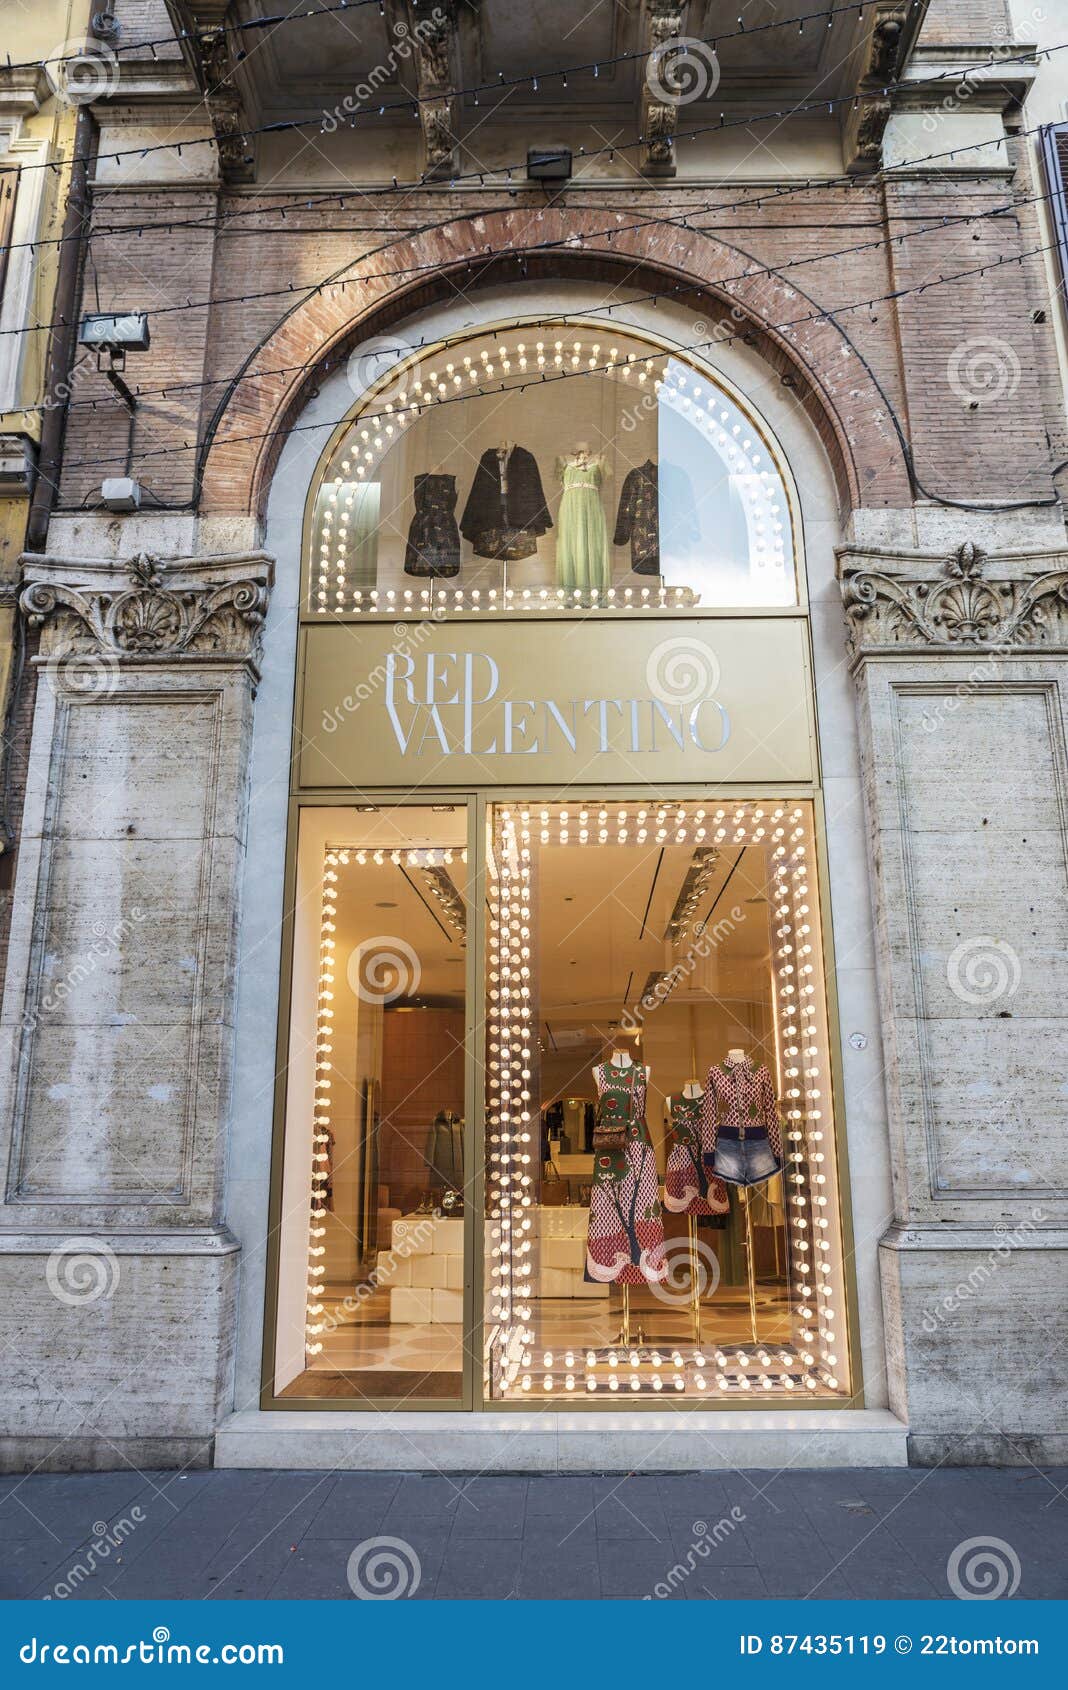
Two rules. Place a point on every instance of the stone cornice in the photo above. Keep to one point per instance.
(898, 601)
(150, 609)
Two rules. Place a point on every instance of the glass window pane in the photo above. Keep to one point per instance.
(556, 466)
(372, 1230)
(661, 1182)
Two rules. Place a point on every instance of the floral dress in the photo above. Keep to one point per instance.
(433, 539)
(690, 1187)
(625, 1242)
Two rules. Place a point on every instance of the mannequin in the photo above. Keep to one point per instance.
(505, 511)
(582, 558)
(625, 1238)
(740, 1114)
(623, 1059)
(690, 1188)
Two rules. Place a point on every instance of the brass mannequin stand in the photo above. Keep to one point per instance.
(695, 1284)
(624, 1340)
(749, 1271)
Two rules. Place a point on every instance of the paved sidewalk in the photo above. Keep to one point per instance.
(695, 1536)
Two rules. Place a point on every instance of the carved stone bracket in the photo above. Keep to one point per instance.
(866, 116)
(663, 86)
(149, 608)
(210, 52)
(958, 609)
(229, 119)
(435, 50)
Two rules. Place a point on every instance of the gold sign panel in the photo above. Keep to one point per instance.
(427, 703)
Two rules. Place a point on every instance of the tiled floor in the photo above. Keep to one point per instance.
(677, 1537)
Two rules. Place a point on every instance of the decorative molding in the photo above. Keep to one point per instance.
(865, 118)
(436, 54)
(23, 90)
(957, 609)
(237, 161)
(149, 608)
(663, 21)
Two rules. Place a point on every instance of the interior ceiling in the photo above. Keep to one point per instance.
(306, 66)
(602, 916)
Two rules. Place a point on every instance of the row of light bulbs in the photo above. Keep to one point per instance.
(321, 1116)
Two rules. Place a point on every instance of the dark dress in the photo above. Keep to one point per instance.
(504, 516)
(638, 516)
(433, 539)
(638, 519)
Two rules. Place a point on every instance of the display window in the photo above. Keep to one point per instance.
(372, 1228)
(631, 994)
(559, 465)
(663, 1210)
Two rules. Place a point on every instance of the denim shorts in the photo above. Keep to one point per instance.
(744, 1161)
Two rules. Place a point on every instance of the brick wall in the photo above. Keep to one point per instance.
(899, 357)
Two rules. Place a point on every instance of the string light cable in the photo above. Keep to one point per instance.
(335, 279)
(339, 196)
(278, 20)
(810, 321)
(412, 103)
(756, 201)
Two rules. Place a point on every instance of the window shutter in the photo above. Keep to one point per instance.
(9, 182)
(1054, 140)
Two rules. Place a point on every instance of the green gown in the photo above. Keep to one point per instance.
(581, 531)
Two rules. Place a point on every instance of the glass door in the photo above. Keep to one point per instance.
(373, 1224)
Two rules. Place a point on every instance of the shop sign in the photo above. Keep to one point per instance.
(427, 703)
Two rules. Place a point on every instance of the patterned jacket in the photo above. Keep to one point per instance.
(740, 1096)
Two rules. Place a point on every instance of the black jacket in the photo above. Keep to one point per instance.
(485, 510)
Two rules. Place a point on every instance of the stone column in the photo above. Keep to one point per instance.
(117, 1276)
(961, 669)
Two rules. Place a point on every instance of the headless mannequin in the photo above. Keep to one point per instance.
(622, 1059)
(734, 1056)
(691, 1091)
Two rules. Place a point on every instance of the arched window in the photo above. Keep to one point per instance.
(561, 464)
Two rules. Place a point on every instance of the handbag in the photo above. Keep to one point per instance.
(613, 1119)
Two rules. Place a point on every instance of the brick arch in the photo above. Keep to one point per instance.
(815, 358)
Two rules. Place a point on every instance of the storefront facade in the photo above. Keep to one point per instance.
(558, 686)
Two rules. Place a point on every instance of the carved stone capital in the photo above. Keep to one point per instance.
(150, 609)
(669, 80)
(896, 601)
